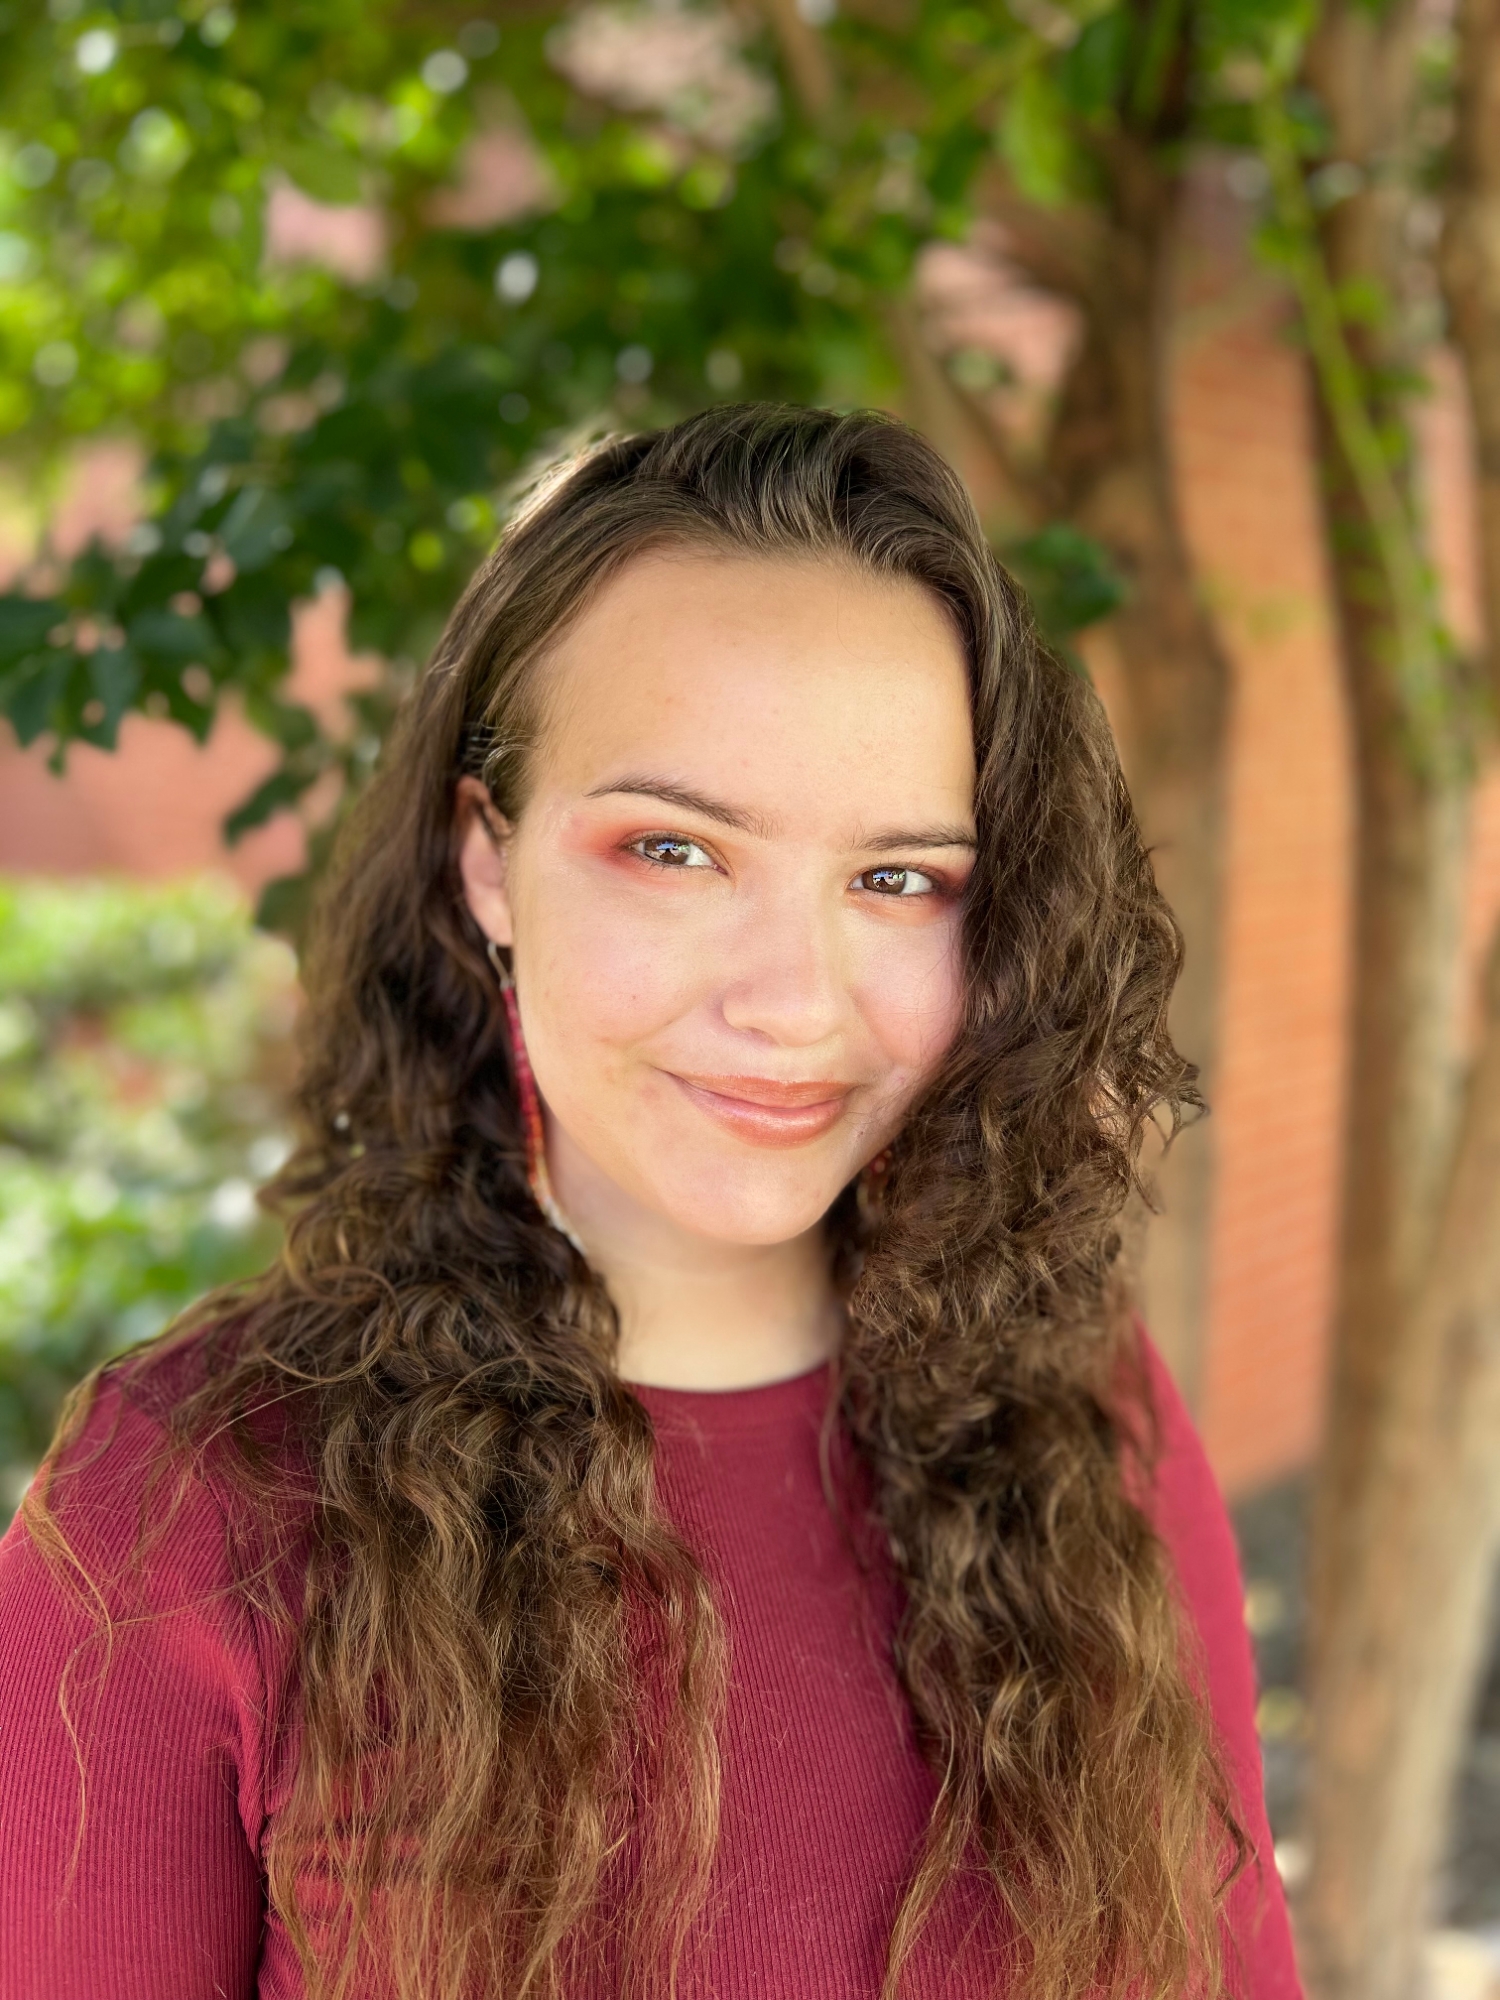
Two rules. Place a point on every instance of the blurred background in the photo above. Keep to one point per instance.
(1203, 299)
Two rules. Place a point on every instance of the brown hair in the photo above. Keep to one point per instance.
(509, 1666)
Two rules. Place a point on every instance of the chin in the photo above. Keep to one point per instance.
(752, 1207)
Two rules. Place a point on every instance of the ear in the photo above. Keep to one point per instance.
(483, 859)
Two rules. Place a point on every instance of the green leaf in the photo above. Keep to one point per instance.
(1091, 72)
(25, 623)
(324, 172)
(254, 615)
(1036, 141)
(285, 905)
(31, 696)
(282, 789)
(1069, 578)
(257, 528)
(167, 635)
(114, 675)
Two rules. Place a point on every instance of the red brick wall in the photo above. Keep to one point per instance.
(1251, 516)
(1242, 434)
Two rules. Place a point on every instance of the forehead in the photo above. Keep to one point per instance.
(777, 682)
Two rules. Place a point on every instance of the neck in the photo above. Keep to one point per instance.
(697, 1313)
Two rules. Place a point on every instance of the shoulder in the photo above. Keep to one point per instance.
(129, 1572)
(118, 1496)
(1170, 1478)
(139, 1686)
(1180, 1495)
(101, 1490)
(122, 1476)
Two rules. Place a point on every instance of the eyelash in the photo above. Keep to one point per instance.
(941, 888)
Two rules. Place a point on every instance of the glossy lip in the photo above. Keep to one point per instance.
(764, 1112)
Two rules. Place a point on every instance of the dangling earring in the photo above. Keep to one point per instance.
(537, 1177)
(869, 1188)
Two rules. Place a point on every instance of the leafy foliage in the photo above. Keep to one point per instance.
(552, 220)
(303, 423)
(701, 235)
(143, 1052)
(1069, 579)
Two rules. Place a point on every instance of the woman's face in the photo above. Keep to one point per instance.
(733, 894)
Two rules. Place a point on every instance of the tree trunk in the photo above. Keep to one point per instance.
(1397, 1672)
(1470, 267)
(1404, 1511)
(1111, 460)
(1404, 1058)
(1386, 1704)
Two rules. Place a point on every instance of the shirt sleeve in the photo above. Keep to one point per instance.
(130, 1774)
(1188, 1512)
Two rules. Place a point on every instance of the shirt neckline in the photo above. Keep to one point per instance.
(726, 1411)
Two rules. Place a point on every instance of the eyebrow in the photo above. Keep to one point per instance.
(688, 800)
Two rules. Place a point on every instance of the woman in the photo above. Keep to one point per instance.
(686, 1506)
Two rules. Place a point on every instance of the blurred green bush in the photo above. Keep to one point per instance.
(144, 1059)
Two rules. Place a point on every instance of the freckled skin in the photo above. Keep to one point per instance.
(659, 952)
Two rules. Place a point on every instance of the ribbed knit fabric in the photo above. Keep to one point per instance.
(825, 1795)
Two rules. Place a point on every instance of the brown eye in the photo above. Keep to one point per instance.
(898, 882)
(667, 850)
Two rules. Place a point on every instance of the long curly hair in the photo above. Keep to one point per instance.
(509, 1666)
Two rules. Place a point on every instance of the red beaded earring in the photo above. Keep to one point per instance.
(537, 1177)
(869, 1187)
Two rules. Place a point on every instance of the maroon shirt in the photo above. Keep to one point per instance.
(825, 1795)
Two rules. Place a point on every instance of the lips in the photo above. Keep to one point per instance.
(764, 1111)
(765, 1090)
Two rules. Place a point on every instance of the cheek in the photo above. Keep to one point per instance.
(910, 995)
(605, 969)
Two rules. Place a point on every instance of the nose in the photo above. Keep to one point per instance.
(784, 976)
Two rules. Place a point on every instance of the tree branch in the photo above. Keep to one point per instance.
(1058, 249)
(806, 56)
(1416, 668)
(958, 422)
